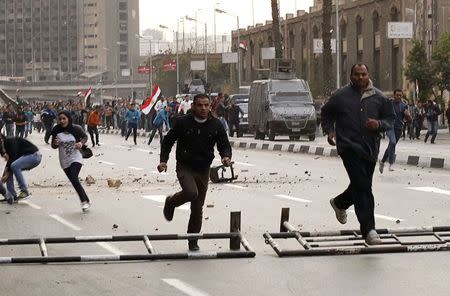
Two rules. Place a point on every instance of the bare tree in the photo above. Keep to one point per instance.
(326, 56)
(276, 31)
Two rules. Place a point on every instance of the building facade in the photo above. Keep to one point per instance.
(363, 38)
(39, 39)
(48, 40)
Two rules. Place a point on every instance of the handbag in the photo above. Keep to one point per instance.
(86, 152)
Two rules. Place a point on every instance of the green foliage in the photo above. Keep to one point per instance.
(418, 69)
(441, 65)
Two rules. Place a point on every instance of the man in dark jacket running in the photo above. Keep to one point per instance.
(353, 119)
(196, 135)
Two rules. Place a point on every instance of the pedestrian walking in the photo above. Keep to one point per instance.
(394, 134)
(196, 135)
(185, 105)
(20, 155)
(447, 114)
(69, 138)
(158, 124)
(133, 116)
(234, 114)
(29, 126)
(353, 119)
(432, 111)
(92, 123)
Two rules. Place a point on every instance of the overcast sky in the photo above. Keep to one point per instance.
(166, 12)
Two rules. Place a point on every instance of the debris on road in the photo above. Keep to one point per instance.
(115, 226)
(90, 180)
(210, 206)
(114, 183)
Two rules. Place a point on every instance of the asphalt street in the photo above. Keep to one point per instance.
(267, 182)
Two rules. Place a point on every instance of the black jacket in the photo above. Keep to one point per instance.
(16, 148)
(195, 142)
(346, 113)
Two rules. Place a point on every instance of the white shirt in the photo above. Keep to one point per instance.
(159, 105)
(67, 152)
(184, 107)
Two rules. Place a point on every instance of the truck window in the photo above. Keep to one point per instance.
(287, 86)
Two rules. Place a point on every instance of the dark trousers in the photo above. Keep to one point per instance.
(72, 173)
(48, 131)
(359, 192)
(123, 127)
(132, 127)
(93, 130)
(108, 121)
(20, 131)
(160, 131)
(234, 126)
(194, 185)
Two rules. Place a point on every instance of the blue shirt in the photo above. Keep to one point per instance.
(133, 116)
(162, 117)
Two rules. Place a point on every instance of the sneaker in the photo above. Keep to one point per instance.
(24, 195)
(193, 246)
(341, 215)
(381, 166)
(373, 238)
(11, 198)
(98, 144)
(391, 168)
(85, 205)
(168, 210)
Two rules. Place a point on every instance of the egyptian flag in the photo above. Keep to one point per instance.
(151, 101)
(87, 97)
(243, 44)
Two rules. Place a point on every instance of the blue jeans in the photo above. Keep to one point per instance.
(28, 129)
(393, 136)
(26, 162)
(10, 130)
(432, 130)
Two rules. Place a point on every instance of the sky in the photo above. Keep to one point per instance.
(166, 12)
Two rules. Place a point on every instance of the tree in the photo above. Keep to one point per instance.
(326, 56)
(418, 69)
(441, 66)
(276, 32)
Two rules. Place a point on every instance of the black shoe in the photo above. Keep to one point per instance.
(168, 210)
(193, 246)
(12, 200)
(98, 144)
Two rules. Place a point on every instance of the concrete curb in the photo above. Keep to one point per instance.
(411, 160)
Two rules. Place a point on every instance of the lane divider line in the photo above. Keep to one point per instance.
(29, 203)
(65, 222)
(108, 247)
(143, 150)
(135, 168)
(106, 162)
(236, 186)
(430, 189)
(383, 217)
(184, 287)
(293, 198)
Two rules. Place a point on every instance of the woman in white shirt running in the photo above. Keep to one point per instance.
(69, 138)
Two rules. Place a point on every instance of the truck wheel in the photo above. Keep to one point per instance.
(271, 135)
(292, 138)
(312, 137)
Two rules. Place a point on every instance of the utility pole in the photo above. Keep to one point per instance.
(276, 32)
(338, 48)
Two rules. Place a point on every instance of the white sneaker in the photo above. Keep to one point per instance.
(373, 238)
(381, 166)
(391, 168)
(85, 206)
(341, 215)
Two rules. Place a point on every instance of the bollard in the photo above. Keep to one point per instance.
(235, 226)
(284, 218)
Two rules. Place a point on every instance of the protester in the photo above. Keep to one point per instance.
(29, 126)
(234, 114)
(20, 155)
(401, 115)
(196, 135)
(353, 119)
(48, 117)
(133, 116)
(92, 125)
(69, 139)
(21, 121)
(8, 119)
(447, 114)
(432, 112)
(160, 119)
(185, 105)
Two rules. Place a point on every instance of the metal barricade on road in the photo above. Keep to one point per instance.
(235, 236)
(350, 242)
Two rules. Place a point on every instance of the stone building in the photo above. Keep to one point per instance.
(363, 38)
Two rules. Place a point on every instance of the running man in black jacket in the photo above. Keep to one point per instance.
(354, 117)
(196, 135)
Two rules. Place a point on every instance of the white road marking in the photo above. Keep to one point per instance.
(135, 168)
(65, 222)
(236, 186)
(162, 199)
(388, 218)
(109, 248)
(106, 162)
(143, 150)
(430, 189)
(244, 164)
(184, 287)
(122, 147)
(293, 198)
(46, 149)
(29, 203)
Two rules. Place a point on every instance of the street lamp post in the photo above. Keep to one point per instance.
(150, 59)
(178, 59)
(206, 44)
(238, 42)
